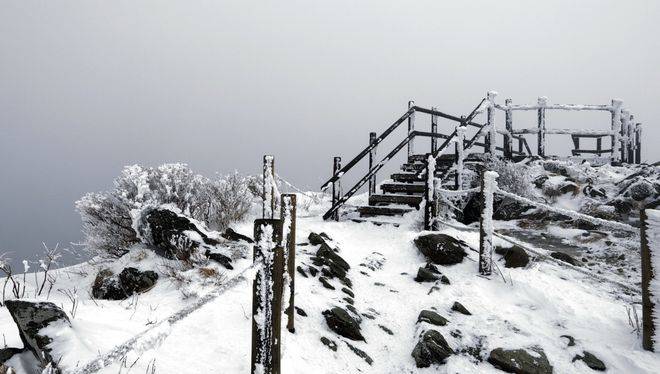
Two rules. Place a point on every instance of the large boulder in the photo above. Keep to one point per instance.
(7, 353)
(504, 209)
(431, 317)
(342, 323)
(432, 348)
(31, 318)
(130, 281)
(589, 359)
(520, 361)
(514, 257)
(442, 249)
(565, 257)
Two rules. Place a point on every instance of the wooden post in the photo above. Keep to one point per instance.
(411, 128)
(576, 144)
(288, 216)
(625, 121)
(434, 130)
(488, 187)
(520, 145)
(542, 102)
(336, 186)
(268, 197)
(267, 297)
(616, 130)
(599, 146)
(430, 211)
(630, 140)
(460, 156)
(650, 225)
(372, 159)
(490, 120)
(638, 143)
(508, 123)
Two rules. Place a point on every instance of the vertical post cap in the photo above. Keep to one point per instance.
(490, 95)
(543, 100)
(411, 103)
(616, 103)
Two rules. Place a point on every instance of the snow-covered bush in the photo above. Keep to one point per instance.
(108, 217)
(514, 178)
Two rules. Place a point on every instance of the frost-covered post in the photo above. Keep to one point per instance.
(616, 130)
(372, 158)
(269, 187)
(430, 210)
(411, 128)
(542, 103)
(638, 143)
(488, 187)
(288, 215)
(434, 130)
(336, 186)
(460, 156)
(630, 140)
(490, 122)
(650, 243)
(508, 123)
(267, 296)
(625, 121)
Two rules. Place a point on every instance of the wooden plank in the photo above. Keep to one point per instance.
(372, 158)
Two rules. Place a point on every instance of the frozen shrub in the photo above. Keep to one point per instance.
(512, 178)
(107, 217)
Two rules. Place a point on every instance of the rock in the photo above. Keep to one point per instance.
(329, 254)
(641, 190)
(472, 210)
(458, 307)
(565, 257)
(506, 209)
(232, 235)
(568, 187)
(220, 258)
(300, 311)
(591, 361)
(134, 281)
(514, 257)
(325, 283)
(594, 192)
(130, 281)
(329, 343)
(441, 249)
(444, 280)
(571, 340)
(520, 361)
(106, 286)
(342, 323)
(556, 168)
(431, 317)
(426, 275)
(387, 330)
(432, 348)
(169, 233)
(540, 180)
(301, 271)
(348, 292)
(621, 206)
(31, 318)
(318, 239)
(7, 353)
(360, 353)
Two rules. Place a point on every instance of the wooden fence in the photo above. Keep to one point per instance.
(650, 250)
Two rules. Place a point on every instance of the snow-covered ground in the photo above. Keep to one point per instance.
(535, 306)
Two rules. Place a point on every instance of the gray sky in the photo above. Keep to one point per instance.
(89, 86)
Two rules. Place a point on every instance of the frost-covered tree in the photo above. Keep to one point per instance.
(107, 217)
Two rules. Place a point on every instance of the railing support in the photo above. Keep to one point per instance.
(411, 128)
(288, 215)
(267, 297)
(488, 187)
(268, 194)
(336, 186)
(630, 140)
(625, 121)
(650, 222)
(542, 102)
(490, 122)
(434, 130)
(431, 208)
(638, 143)
(616, 130)
(460, 156)
(508, 123)
(372, 158)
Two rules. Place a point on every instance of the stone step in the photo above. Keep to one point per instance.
(402, 188)
(375, 211)
(410, 200)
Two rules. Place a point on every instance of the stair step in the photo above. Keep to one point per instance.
(374, 222)
(375, 211)
(410, 200)
(408, 177)
(418, 166)
(403, 188)
(418, 158)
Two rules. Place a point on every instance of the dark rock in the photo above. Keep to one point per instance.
(432, 348)
(360, 353)
(348, 292)
(106, 286)
(571, 340)
(301, 271)
(329, 343)
(520, 361)
(232, 235)
(134, 281)
(325, 283)
(431, 317)
(556, 168)
(472, 210)
(458, 307)
(641, 190)
(568, 187)
(387, 330)
(585, 225)
(130, 281)
(31, 318)
(506, 209)
(621, 206)
(328, 253)
(425, 275)
(348, 300)
(312, 270)
(300, 311)
(220, 258)
(540, 180)
(442, 249)
(514, 257)
(565, 257)
(167, 231)
(342, 323)
(317, 239)
(368, 316)
(594, 192)
(591, 361)
(432, 268)
(355, 312)
(444, 280)
(7, 353)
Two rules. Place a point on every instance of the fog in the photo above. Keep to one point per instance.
(87, 87)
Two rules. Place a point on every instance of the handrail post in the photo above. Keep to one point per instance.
(488, 187)
(649, 273)
(638, 143)
(434, 130)
(288, 216)
(520, 144)
(460, 155)
(411, 128)
(490, 122)
(616, 130)
(268, 194)
(430, 210)
(336, 186)
(542, 102)
(267, 297)
(508, 123)
(630, 144)
(625, 121)
(372, 158)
